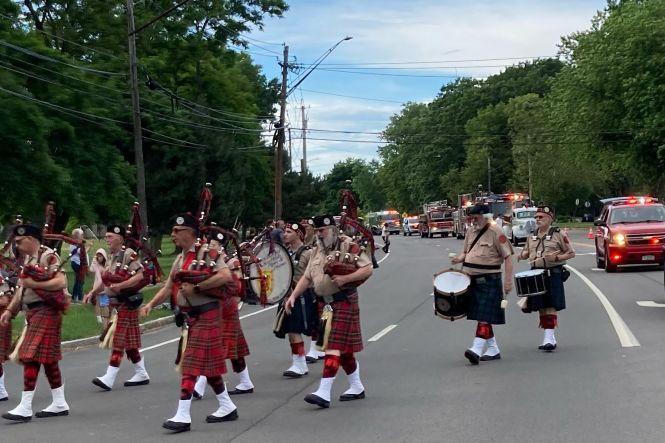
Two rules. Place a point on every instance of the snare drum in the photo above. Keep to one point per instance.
(530, 283)
(450, 294)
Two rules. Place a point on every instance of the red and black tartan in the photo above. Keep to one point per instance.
(5, 341)
(127, 330)
(234, 340)
(205, 353)
(42, 339)
(345, 334)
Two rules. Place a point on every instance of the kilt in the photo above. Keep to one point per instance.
(205, 353)
(42, 339)
(5, 342)
(485, 300)
(304, 318)
(555, 296)
(234, 340)
(127, 330)
(345, 334)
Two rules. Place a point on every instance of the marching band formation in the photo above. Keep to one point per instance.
(314, 278)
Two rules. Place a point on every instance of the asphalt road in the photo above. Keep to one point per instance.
(419, 385)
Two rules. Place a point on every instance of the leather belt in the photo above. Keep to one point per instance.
(478, 266)
(35, 304)
(492, 276)
(195, 311)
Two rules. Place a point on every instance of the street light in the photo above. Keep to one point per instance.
(322, 58)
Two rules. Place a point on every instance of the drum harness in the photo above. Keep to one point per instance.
(541, 245)
(479, 266)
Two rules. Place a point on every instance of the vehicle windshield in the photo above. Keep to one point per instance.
(390, 218)
(441, 215)
(638, 214)
(525, 214)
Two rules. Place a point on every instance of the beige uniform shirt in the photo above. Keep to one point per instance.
(300, 266)
(491, 249)
(47, 260)
(540, 245)
(201, 298)
(321, 282)
(120, 260)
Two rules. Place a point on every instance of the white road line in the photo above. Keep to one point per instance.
(385, 330)
(650, 304)
(173, 340)
(388, 254)
(585, 253)
(626, 337)
(597, 270)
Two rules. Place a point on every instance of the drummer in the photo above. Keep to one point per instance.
(485, 249)
(548, 248)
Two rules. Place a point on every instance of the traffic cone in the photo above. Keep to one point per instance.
(590, 234)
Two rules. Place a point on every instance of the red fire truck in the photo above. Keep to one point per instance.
(500, 204)
(439, 218)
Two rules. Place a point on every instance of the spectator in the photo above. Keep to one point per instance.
(385, 235)
(75, 260)
(97, 267)
(277, 234)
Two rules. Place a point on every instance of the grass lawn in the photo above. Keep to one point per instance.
(575, 225)
(79, 320)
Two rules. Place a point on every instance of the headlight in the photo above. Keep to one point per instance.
(619, 239)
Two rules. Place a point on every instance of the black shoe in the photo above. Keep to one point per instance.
(541, 347)
(237, 391)
(46, 414)
(292, 374)
(549, 347)
(472, 356)
(196, 395)
(175, 426)
(311, 360)
(316, 400)
(14, 417)
(137, 383)
(4, 398)
(101, 384)
(349, 397)
(231, 416)
(490, 357)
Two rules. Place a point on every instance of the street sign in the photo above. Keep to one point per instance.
(577, 202)
(587, 204)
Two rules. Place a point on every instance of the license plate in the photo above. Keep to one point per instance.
(648, 257)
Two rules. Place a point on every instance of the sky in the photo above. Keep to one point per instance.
(447, 32)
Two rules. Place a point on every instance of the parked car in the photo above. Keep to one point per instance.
(630, 231)
(522, 224)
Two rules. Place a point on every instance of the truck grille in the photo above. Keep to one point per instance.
(645, 239)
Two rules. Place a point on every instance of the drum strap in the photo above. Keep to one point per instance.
(480, 234)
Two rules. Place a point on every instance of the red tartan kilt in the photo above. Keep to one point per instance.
(205, 353)
(345, 335)
(234, 339)
(42, 339)
(5, 341)
(127, 331)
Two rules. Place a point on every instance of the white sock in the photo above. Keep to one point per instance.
(355, 385)
(24, 409)
(182, 415)
(58, 404)
(226, 405)
(313, 352)
(324, 388)
(3, 391)
(492, 347)
(478, 345)
(245, 381)
(109, 378)
(200, 386)
(548, 337)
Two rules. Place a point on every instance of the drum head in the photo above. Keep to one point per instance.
(530, 273)
(276, 268)
(451, 282)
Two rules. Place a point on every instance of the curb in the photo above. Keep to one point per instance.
(83, 343)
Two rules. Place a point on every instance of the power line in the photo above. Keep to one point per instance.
(412, 68)
(352, 96)
(434, 61)
(53, 60)
(390, 74)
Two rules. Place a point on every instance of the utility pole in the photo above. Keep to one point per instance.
(528, 138)
(489, 175)
(136, 114)
(290, 152)
(303, 164)
(280, 139)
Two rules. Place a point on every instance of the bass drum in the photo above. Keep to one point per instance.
(275, 267)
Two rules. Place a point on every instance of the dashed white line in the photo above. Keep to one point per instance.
(173, 340)
(383, 332)
(626, 337)
(650, 304)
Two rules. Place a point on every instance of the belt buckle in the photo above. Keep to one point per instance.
(327, 308)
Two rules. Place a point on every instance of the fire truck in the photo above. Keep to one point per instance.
(500, 204)
(439, 218)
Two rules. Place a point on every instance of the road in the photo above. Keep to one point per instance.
(419, 385)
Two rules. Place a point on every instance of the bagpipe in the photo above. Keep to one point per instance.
(349, 219)
(139, 244)
(58, 299)
(344, 264)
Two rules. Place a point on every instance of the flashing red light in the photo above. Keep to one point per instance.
(616, 258)
(632, 201)
(655, 241)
